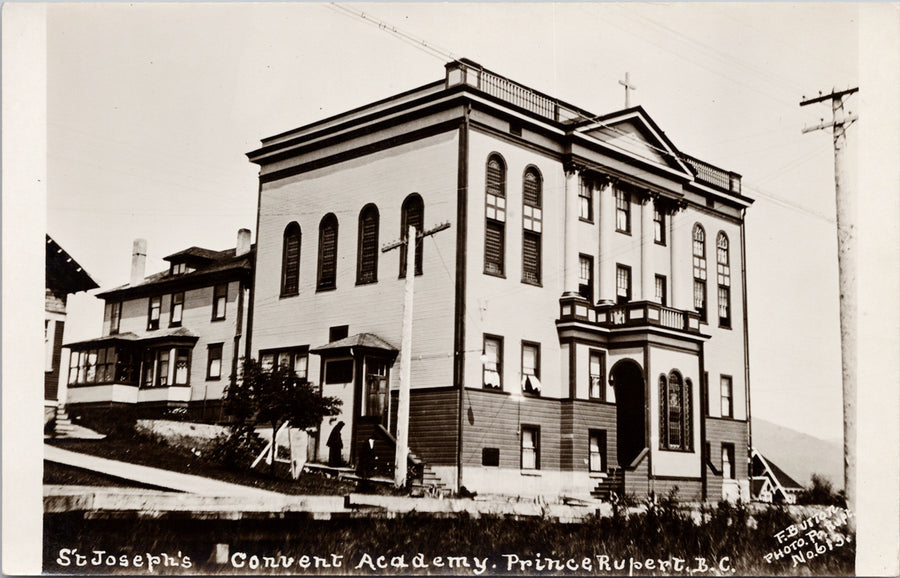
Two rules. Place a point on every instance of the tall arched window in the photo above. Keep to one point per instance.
(675, 413)
(328, 237)
(367, 247)
(723, 278)
(700, 271)
(494, 215)
(290, 260)
(532, 225)
(412, 213)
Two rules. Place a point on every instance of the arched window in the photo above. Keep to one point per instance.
(328, 237)
(700, 271)
(723, 277)
(532, 225)
(675, 417)
(290, 260)
(412, 213)
(495, 215)
(367, 247)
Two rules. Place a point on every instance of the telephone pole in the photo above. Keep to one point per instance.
(845, 196)
(402, 450)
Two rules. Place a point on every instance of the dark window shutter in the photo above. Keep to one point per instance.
(368, 248)
(531, 257)
(413, 215)
(496, 180)
(290, 279)
(493, 247)
(532, 189)
(328, 255)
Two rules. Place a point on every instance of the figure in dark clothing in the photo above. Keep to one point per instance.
(335, 445)
(366, 466)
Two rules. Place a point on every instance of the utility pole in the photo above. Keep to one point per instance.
(845, 196)
(402, 450)
(628, 88)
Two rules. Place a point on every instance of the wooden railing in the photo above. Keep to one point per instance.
(631, 314)
(713, 175)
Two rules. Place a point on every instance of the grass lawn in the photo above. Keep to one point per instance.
(146, 451)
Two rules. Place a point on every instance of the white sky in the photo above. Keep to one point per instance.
(152, 107)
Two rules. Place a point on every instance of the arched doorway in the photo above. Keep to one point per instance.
(628, 381)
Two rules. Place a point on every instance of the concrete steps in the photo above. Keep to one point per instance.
(613, 483)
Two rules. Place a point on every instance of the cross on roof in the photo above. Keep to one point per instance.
(628, 87)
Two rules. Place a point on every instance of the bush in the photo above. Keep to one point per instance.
(820, 491)
(115, 423)
(237, 449)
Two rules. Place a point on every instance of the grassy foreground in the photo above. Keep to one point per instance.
(419, 544)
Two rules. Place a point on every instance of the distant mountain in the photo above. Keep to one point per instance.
(800, 454)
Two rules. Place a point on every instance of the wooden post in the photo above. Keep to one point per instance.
(845, 200)
(402, 450)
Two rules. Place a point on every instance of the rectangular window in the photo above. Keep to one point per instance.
(220, 296)
(724, 306)
(162, 368)
(727, 396)
(623, 211)
(490, 457)
(586, 203)
(492, 366)
(596, 371)
(623, 284)
(267, 361)
(115, 317)
(339, 371)
(177, 309)
(728, 461)
(661, 290)
(586, 277)
(531, 448)
(700, 298)
(493, 247)
(182, 366)
(338, 332)
(597, 450)
(149, 365)
(153, 314)
(531, 257)
(376, 387)
(659, 226)
(214, 361)
(295, 358)
(531, 368)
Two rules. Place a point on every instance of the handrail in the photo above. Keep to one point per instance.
(637, 461)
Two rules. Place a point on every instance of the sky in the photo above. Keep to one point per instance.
(152, 107)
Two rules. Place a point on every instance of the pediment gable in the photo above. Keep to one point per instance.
(633, 133)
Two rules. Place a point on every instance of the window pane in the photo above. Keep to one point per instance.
(290, 274)
(181, 367)
(529, 360)
(300, 363)
(531, 257)
(493, 248)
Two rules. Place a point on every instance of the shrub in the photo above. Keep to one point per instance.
(115, 423)
(820, 491)
(236, 449)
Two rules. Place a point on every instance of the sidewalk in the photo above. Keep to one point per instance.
(153, 476)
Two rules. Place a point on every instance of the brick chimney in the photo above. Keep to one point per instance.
(138, 260)
(243, 242)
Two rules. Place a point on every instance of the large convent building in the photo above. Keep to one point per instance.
(580, 327)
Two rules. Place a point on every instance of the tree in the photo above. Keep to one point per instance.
(274, 396)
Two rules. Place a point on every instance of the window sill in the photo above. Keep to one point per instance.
(583, 220)
(531, 473)
(495, 274)
(532, 283)
(660, 243)
(598, 475)
(623, 232)
(324, 289)
(288, 295)
(217, 319)
(372, 282)
(403, 275)
(175, 324)
(728, 327)
(213, 379)
(497, 390)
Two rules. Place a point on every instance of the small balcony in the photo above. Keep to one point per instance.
(628, 315)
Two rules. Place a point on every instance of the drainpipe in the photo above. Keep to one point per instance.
(746, 347)
(464, 150)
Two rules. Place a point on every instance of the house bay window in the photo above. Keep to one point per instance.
(101, 366)
(296, 358)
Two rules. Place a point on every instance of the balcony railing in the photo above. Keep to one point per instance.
(631, 314)
(713, 175)
(465, 72)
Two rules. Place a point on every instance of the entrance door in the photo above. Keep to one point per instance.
(375, 391)
(630, 411)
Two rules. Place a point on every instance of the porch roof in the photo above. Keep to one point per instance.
(175, 335)
(368, 341)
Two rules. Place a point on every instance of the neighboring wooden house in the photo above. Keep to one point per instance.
(579, 328)
(64, 276)
(170, 341)
(771, 484)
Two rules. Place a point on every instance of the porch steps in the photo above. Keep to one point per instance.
(429, 483)
(63, 427)
(614, 483)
